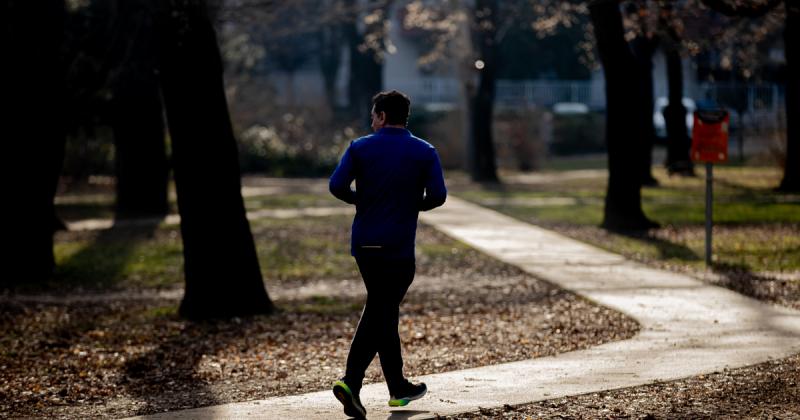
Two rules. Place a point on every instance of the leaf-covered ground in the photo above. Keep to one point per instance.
(766, 391)
(84, 355)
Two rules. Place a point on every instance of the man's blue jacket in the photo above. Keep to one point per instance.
(397, 175)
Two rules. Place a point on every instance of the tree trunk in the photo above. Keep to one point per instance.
(482, 164)
(354, 88)
(366, 67)
(33, 93)
(137, 116)
(141, 160)
(330, 39)
(643, 49)
(791, 172)
(678, 142)
(222, 272)
(624, 127)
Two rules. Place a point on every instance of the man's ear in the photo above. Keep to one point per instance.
(382, 117)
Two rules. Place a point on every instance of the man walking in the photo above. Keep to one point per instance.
(397, 175)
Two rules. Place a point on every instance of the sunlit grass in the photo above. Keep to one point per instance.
(118, 258)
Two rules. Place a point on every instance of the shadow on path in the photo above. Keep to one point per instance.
(172, 367)
(405, 414)
(666, 249)
(739, 278)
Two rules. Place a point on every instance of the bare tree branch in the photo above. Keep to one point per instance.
(742, 9)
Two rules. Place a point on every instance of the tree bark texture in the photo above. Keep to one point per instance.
(643, 49)
(222, 271)
(33, 93)
(678, 142)
(624, 120)
(482, 165)
(791, 173)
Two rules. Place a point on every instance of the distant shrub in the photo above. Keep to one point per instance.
(442, 128)
(294, 145)
(520, 134)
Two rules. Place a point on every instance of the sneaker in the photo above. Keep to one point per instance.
(411, 393)
(350, 401)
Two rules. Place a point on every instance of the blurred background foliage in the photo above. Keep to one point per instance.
(292, 72)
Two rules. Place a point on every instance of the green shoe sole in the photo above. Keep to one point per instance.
(401, 402)
(352, 407)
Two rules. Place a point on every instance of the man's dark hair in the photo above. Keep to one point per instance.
(396, 105)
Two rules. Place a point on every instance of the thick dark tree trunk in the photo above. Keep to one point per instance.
(482, 166)
(643, 49)
(678, 142)
(33, 132)
(137, 116)
(223, 277)
(624, 120)
(141, 160)
(791, 172)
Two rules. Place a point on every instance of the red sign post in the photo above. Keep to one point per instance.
(710, 136)
(710, 145)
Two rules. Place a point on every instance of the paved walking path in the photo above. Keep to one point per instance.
(688, 328)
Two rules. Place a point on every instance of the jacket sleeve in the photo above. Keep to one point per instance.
(435, 190)
(342, 177)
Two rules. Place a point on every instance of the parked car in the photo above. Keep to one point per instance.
(576, 130)
(658, 116)
(570, 108)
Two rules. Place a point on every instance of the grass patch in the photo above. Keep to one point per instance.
(289, 250)
(305, 248)
(117, 258)
(155, 312)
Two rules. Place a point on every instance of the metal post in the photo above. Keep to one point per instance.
(709, 201)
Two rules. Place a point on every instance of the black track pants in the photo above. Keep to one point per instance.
(387, 281)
